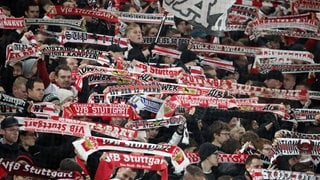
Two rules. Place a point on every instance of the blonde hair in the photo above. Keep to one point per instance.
(20, 80)
(130, 27)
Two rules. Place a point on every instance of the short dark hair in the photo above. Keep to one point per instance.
(194, 171)
(28, 4)
(61, 67)
(31, 81)
(250, 159)
(218, 126)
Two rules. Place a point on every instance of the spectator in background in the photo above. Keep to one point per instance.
(289, 81)
(252, 162)
(32, 10)
(274, 79)
(19, 89)
(193, 172)
(35, 89)
(182, 26)
(10, 132)
(220, 132)
(134, 35)
(208, 154)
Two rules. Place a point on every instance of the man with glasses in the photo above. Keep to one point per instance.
(220, 133)
(10, 133)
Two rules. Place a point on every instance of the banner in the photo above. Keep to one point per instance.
(73, 23)
(293, 146)
(73, 11)
(99, 110)
(110, 160)
(90, 54)
(86, 146)
(15, 168)
(109, 130)
(70, 36)
(156, 123)
(11, 23)
(259, 174)
(212, 15)
(53, 126)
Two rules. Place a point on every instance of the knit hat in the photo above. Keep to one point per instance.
(197, 33)
(27, 66)
(275, 74)
(206, 149)
(50, 98)
(9, 122)
(63, 94)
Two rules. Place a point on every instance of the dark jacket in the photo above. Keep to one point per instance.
(136, 53)
(50, 157)
(9, 151)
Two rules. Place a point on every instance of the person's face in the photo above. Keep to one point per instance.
(273, 45)
(72, 63)
(135, 35)
(254, 124)
(116, 121)
(236, 134)
(132, 10)
(29, 139)
(63, 78)
(223, 136)
(168, 60)
(292, 161)
(255, 164)
(126, 174)
(267, 150)
(11, 134)
(273, 83)
(233, 122)
(153, 133)
(20, 91)
(32, 12)
(17, 70)
(182, 27)
(213, 159)
(289, 81)
(40, 38)
(212, 72)
(37, 92)
(153, 32)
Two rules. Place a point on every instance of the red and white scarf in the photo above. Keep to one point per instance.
(53, 126)
(8, 167)
(90, 54)
(109, 130)
(106, 110)
(88, 145)
(293, 146)
(111, 160)
(70, 36)
(100, 13)
(259, 174)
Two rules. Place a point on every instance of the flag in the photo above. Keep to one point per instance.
(210, 14)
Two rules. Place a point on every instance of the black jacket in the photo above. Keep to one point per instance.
(9, 151)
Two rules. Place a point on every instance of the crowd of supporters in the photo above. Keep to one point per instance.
(210, 131)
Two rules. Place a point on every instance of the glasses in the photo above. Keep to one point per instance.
(225, 133)
(12, 130)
